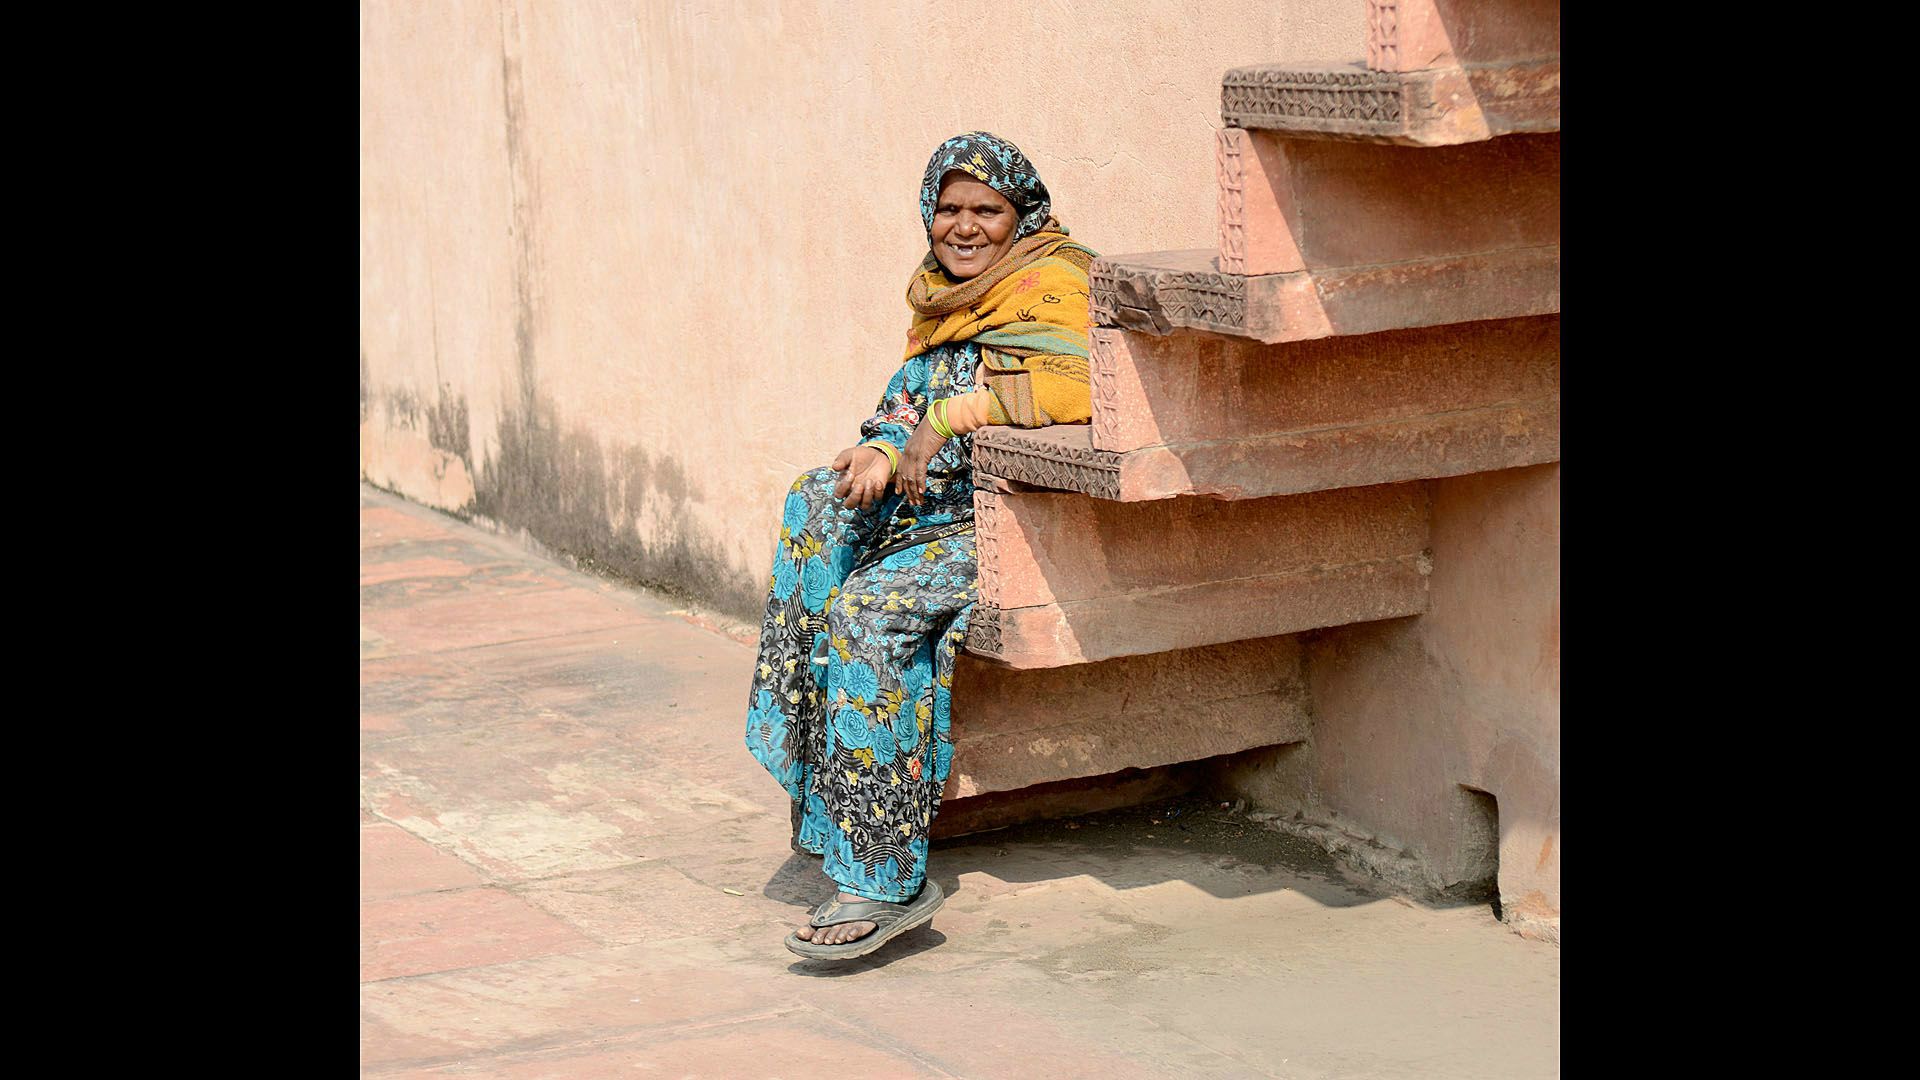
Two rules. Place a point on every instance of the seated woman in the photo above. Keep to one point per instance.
(873, 579)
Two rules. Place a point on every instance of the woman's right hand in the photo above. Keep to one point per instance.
(911, 481)
(866, 472)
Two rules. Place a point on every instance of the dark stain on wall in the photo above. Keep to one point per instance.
(403, 409)
(567, 489)
(447, 426)
(521, 180)
(445, 421)
(579, 496)
(563, 486)
(366, 384)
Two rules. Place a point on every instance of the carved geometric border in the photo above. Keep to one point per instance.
(987, 523)
(1198, 299)
(1102, 303)
(1347, 101)
(983, 631)
(1230, 167)
(1159, 301)
(1047, 465)
(1383, 35)
(1106, 387)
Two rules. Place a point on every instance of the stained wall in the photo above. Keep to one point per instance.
(628, 268)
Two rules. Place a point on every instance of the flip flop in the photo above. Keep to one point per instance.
(890, 921)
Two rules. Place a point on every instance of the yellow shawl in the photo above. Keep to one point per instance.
(1028, 314)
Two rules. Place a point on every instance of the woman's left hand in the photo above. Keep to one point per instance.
(911, 480)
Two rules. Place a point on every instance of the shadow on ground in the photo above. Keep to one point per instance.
(1193, 839)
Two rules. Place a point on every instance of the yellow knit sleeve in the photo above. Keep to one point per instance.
(1046, 389)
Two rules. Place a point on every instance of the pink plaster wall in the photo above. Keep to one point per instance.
(626, 269)
(1407, 711)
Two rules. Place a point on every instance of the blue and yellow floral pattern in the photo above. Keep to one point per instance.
(850, 707)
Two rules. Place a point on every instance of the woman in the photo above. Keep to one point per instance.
(874, 576)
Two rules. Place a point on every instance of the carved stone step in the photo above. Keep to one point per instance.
(1158, 292)
(1068, 580)
(1069, 798)
(1014, 729)
(1416, 35)
(1414, 108)
(1232, 419)
(1294, 204)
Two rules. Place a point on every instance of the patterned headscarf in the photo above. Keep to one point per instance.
(996, 163)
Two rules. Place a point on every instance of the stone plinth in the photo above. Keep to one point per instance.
(1418, 108)
(1013, 729)
(1199, 414)
(1296, 204)
(1159, 292)
(1413, 718)
(1067, 580)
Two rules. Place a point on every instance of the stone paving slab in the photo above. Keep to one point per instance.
(444, 931)
(394, 863)
(571, 867)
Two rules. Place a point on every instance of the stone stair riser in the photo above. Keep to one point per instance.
(1165, 291)
(1083, 631)
(1188, 388)
(1054, 548)
(1287, 205)
(1067, 580)
(1016, 728)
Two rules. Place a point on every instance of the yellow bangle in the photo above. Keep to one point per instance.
(893, 456)
(937, 416)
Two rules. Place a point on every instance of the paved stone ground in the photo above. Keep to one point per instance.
(570, 867)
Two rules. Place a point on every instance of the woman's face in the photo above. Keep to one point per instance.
(972, 226)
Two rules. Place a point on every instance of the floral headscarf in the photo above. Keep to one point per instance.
(996, 163)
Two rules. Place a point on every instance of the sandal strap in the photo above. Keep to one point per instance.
(835, 912)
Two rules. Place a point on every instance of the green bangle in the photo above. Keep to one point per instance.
(893, 456)
(937, 416)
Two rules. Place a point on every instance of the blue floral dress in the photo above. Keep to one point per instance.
(850, 705)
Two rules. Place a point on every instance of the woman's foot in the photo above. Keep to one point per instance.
(836, 935)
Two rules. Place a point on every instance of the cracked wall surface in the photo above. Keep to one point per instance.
(627, 269)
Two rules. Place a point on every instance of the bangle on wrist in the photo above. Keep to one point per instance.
(937, 416)
(893, 456)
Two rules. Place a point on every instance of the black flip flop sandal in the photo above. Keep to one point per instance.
(890, 921)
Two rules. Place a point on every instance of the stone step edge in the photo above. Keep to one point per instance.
(978, 767)
(990, 628)
(962, 815)
(1063, 457)
(1435, 107)
(1159, 292)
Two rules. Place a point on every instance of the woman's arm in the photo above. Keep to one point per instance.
(1047, 390)
(1041, 391)
(874, 462)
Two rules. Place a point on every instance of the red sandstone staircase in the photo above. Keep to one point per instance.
(1380, 309)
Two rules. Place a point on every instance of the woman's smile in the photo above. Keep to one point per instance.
(973, 226)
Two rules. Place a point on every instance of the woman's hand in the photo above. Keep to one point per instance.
(911, 481)
(865, 481)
